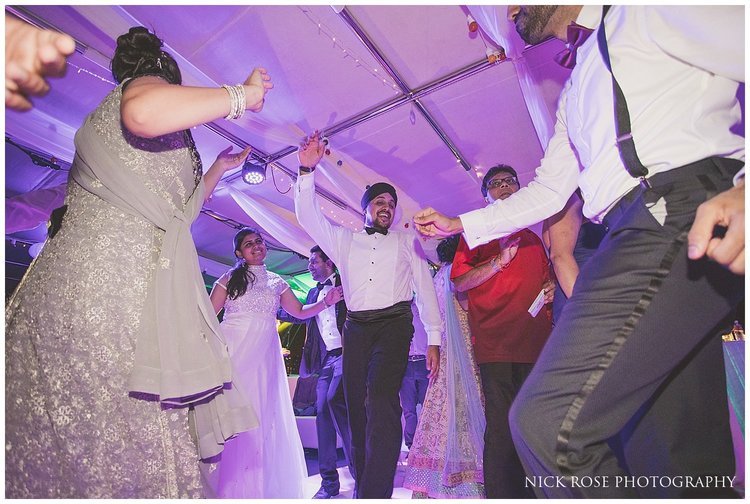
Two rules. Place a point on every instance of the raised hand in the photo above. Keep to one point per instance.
(31, 56)
(226, 160)
(311, 150)
(256, 87)
(726, 209)
(429, 222)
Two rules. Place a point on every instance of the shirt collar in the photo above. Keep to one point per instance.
(590, 16)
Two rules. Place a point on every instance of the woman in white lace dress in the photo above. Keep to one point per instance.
(267, 462)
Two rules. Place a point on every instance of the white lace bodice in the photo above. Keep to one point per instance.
(263, 298)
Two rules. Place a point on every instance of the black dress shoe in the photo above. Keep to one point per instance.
(325, 494)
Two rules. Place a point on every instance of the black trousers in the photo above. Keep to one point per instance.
(375, 355)
(331, 419)
(503, 472)
(654, 443)
(639, 311)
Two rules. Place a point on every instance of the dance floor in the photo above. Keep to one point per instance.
(312, 483)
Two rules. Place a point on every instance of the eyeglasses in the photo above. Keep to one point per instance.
(492, 184)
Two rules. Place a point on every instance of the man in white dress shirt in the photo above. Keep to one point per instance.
(649, 300)
(380, 270)
(322, 356)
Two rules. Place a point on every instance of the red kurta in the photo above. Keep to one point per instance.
(502, 329)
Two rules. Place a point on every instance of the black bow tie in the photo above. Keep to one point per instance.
(577, 35)
(323, 284)
(371, 230)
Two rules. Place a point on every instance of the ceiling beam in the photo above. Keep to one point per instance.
(378, 55)
(97, 58)
(402, 99)
(408, 96)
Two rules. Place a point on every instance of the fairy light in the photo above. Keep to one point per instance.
(80, 70)
(325, 30)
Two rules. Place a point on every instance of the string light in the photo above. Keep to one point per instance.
(325, 30)
(83, 70)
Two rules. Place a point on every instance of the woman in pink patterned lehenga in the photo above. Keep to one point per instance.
(445, 459)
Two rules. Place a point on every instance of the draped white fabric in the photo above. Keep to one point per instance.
(279, 222)
(27, 211)
(493, 20)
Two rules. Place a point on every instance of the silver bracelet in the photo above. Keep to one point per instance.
(237, 101)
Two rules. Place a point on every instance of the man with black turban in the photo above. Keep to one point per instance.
(381, 269)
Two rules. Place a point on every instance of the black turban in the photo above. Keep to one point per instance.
(376, 190)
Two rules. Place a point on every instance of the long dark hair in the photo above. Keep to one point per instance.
(240, 276)
(139, 53)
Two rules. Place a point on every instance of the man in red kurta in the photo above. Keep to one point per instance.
(508, 285)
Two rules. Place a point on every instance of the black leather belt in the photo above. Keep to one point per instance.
(724, 167)
(335, 352)
(415, 358)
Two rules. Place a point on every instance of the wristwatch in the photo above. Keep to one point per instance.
(494, 266)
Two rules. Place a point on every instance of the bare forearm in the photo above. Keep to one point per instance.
(157, 108)
(475, 277)
(308, 311)
(212, 177)
(566, 271)
(297, 310)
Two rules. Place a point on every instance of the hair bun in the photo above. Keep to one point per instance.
(139, 53)
(139, 40)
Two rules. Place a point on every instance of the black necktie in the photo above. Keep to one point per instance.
(371, 230)
(323, 284)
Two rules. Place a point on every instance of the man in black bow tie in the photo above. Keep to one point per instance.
(380, 269)
(649, 127)
(322, 356)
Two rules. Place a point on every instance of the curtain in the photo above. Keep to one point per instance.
(493, 20)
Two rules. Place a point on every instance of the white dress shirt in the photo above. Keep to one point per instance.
(326, 319)
(679, 69)
(377, 271)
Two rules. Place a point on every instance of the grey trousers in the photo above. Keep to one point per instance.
(639, 311)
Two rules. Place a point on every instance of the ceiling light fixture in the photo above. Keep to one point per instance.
(253, 172)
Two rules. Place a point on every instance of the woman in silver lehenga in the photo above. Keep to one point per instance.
(111, 342)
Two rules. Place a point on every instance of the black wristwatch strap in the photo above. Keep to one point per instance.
(305, 169)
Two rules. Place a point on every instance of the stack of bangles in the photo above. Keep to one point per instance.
(237, 98)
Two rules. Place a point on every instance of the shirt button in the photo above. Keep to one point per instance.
(373, 262)
(371, 279)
